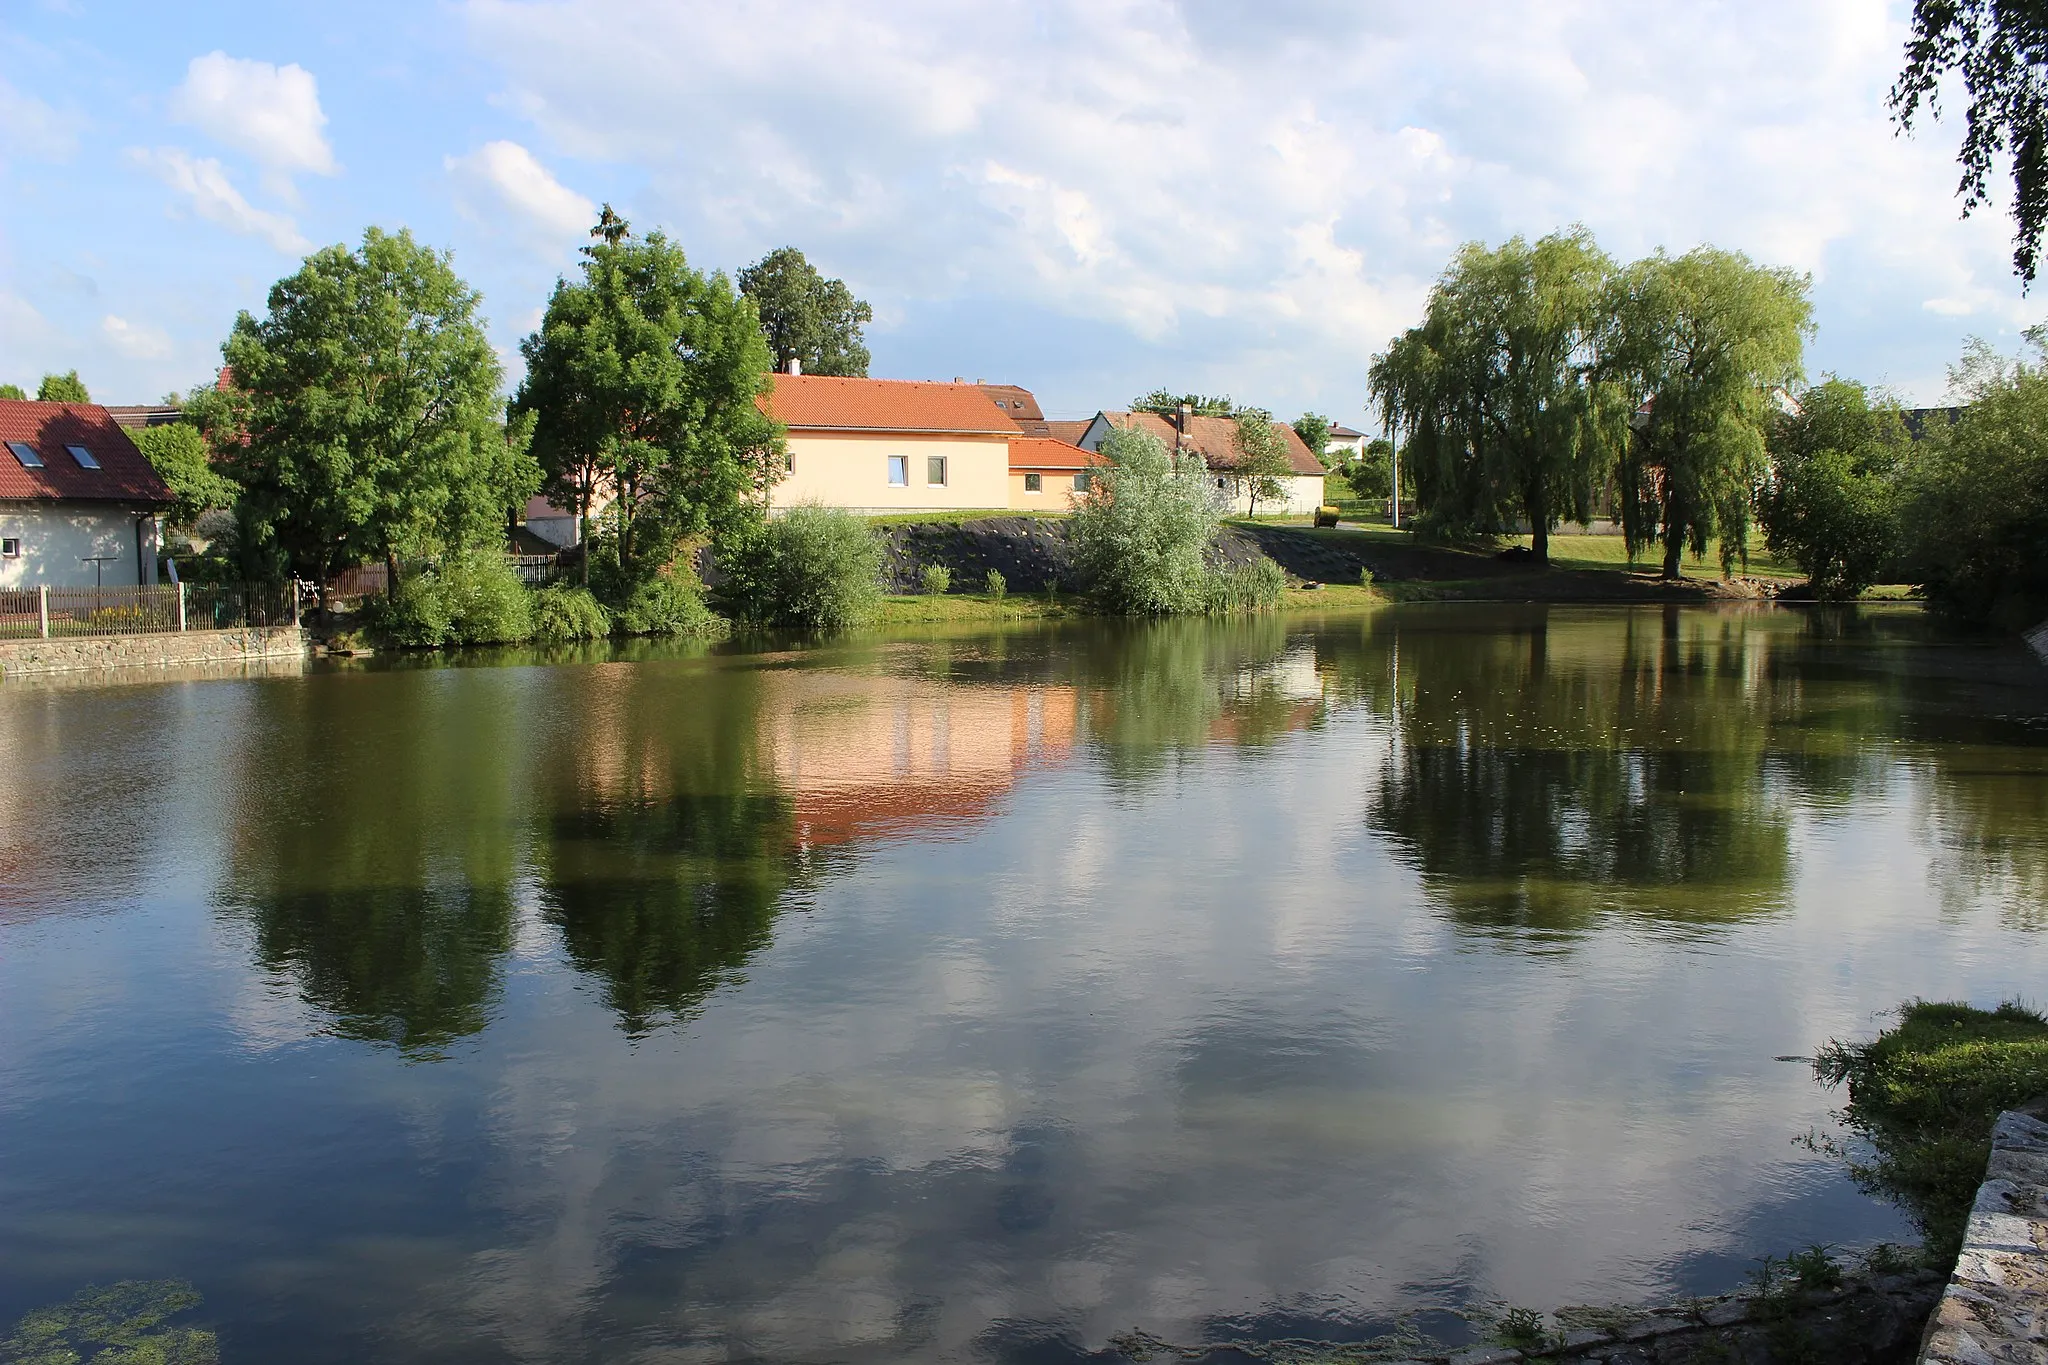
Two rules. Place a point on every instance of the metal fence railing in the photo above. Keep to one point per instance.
(64, 613)
(536, 571)
(372, 580)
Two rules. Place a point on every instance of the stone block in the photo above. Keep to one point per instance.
(1487, 1355)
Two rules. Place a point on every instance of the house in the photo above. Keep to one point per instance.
(1344, 443)
(1048, 475)
(78, 502)
(893, 445)
(547, 524)
(1215, 440)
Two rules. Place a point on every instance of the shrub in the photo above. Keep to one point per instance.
(996, 585)
(1142, 532)
(563, 613)
(669, 603)
(936, 579)
(470, 599)
(816, 568)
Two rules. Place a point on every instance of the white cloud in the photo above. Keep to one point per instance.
(503, 177)
(137, 341)
(206, 188)
(32, 129)
(1214, 191)
(272, 113)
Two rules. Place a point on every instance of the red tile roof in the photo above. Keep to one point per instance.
(824, 403)
(123, 476)
(1018, 403)
(1215, 438)
(1070, 432)
(1038, 452)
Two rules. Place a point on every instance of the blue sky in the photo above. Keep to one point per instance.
(1088, 197)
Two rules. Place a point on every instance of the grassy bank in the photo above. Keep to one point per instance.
(971, 607)
(1922, 1098)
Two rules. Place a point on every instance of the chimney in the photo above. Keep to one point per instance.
(796, 365)
(1182, 419)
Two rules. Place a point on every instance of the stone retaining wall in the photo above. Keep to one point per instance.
(1996, 1306)
(122, 653)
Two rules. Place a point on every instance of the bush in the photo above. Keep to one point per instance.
(562, 613)
(816, 568)
(469, 599)
(996, 585)
(936, 579)
(670, 603)
(1141, 535)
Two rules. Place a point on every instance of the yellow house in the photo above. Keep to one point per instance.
(1048, 475)
(891, 445)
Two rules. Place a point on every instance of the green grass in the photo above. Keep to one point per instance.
(1922, 1098)
(976, 606)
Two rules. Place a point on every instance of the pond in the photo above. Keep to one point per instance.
(981, 997)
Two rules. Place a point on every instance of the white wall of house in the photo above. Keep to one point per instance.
(52, 544)
(853, 471)
(1304, 494)
(561, 531)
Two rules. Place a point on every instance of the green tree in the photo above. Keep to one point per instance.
(12, 392)
(178, 452)
(641, 385)
(1166, 404)
(1371, 475)
(372, 405)
(1314, 431)
(1977, 493)
(1832, 503)
(2001, 49)
(1700, 343)
(814, 568)
(62, 388)
(1498, 391)
(1261, 458)
(806, 316)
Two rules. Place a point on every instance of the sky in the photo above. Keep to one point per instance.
(1091, 198)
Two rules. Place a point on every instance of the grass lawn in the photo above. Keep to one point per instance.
(924, 609)
(1611, 552)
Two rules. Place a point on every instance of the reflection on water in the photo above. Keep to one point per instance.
(986, 996)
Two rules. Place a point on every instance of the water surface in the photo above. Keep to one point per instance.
(981, 997)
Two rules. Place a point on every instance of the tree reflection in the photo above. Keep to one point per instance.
(1546, 769)
(376, 841)
(669, 846)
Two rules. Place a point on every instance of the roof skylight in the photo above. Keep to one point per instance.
(26, 453)
(83, 456)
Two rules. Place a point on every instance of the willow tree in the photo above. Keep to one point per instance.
(1703, 343)
(1499, 393)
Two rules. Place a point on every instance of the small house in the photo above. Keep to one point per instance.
(892, 445)
(78, 502)
(1214, 439)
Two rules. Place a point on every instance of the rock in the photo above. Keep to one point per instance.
(1487, 1355)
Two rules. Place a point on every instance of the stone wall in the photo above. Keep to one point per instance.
(1996, 1306)
(126, 653)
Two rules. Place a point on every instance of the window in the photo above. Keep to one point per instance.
(1034, 483)
(1219, 483)
(1082, 480)
(26, 453)
(83, 456)
(935, 470)
(789, 463)
(10, 547)
(899, 471)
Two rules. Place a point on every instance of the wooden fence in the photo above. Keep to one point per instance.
(64, 613)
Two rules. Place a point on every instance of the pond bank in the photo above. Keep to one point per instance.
(1996, 1302)
(171, 649)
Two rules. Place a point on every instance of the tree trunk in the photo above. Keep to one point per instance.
(1538, 508)
(1674, 535)
(390, 575)
(583, 528)
(1539, 544)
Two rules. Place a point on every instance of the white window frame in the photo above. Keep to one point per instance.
(932, 462)
(10, 547)
(789, 462)
(899, 464)
(1034, 483)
